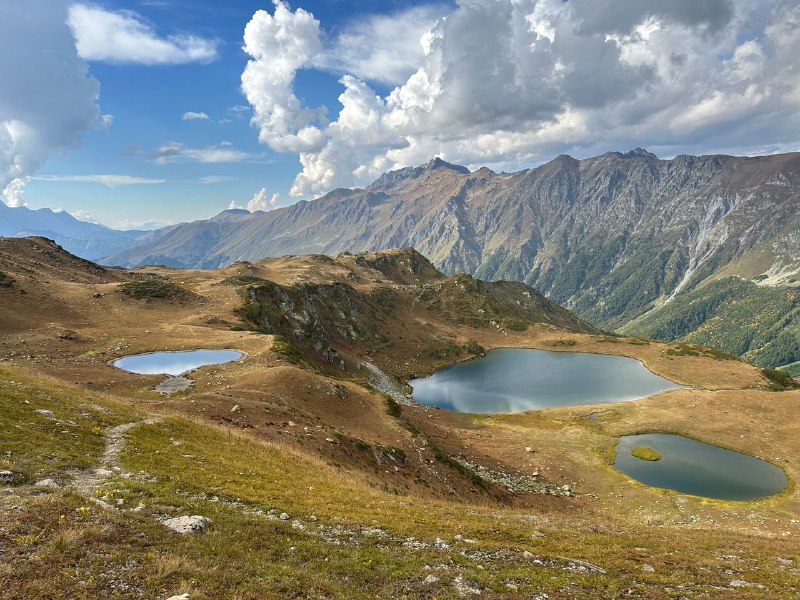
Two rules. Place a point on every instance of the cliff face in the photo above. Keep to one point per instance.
(610, 237)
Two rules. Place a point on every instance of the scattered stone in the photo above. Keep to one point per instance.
(647, 568)
(512, 587)
(44, 411)
(236, 408)
(283, 517)
(180, 597)
(312, 518)
(6, 477)
(329, 440)
(172, 385)
(46, 483)
(464, 588)
(183, 525)
(528, 449)
(431, 579)
(585, 565)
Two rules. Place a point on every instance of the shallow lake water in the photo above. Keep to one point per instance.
(692, 467)
(174, 363)
(519, 379)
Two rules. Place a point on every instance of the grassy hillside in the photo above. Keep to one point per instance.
(760, 324)
(285, 524)
(317, 485)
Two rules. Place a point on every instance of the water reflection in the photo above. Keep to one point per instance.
(174, 363)
(520, 379)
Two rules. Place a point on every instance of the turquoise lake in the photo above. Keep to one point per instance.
(699, 469)
(511, 380)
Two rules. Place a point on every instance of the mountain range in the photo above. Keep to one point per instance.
(700, 248)
(88, 240)
(704, 248)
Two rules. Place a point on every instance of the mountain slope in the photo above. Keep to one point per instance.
(610, 237)
(88, 240)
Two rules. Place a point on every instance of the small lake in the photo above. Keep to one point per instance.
(699, 469)
(174, 363)
(511, 380)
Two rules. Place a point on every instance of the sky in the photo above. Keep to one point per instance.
(138, 113)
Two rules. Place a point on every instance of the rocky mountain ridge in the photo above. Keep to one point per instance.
(615, 237)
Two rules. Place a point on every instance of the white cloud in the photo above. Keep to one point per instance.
(48, 100)
(386, 48)
(221, 153)
(212, 179)
(263, 200)
(513, 82)
(106, 180)
(82, 215)
(280, 44)
(194, 116)
(123, 37)
(15, 191)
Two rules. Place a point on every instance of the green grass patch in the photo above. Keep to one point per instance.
(48, 428)
(779, 381)
(5, 281)
(285, 349)
(645, 453)
(155, 290)
(515, 325)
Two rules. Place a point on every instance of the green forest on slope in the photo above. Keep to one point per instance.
(760, 324)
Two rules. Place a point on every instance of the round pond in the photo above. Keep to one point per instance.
(521, 379)
(699, 469)
(174, 363)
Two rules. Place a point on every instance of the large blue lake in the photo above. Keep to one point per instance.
(692, 467)
(174, 363)
(520, 379)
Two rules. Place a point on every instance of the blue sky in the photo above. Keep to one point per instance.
(147, 103)
(309, 95)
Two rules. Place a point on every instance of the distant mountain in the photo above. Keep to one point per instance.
(88, 240)
(614, 237)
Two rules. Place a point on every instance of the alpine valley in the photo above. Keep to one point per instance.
(702, 249)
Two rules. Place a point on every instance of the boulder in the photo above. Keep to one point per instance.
(183, 525)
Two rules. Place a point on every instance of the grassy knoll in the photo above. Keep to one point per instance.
(645, 453)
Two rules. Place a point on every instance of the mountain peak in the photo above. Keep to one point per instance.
(640, 152)
(393, 178)
(438, 163)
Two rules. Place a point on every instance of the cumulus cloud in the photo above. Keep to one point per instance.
(48, 100)
(385, 48)
(106, 180)
(194, 116)
(123, 37)
(512, 82)
(263, 200)
(280, 44)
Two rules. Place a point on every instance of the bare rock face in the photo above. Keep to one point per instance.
(184, 525)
